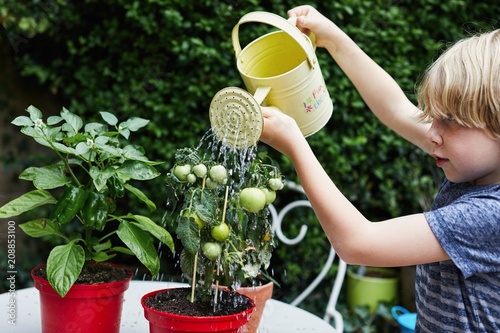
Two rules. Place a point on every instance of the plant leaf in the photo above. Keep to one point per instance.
(132, 152)
(60, 147)
(72, 119)
(125, 132)
(137, 170)
(102, 256)
(122, 249)
(146, 224)
(64, 265)
(134, 124)
(22, 121)
(52, 120)
(26, 202)
(34, 112)
(139, 242)
(109, 118)
(40, 228)
(102, 246)
(186, 261)
(138, 193)
(46, 178)
(189, 235)
(99, 177)
(94, 128)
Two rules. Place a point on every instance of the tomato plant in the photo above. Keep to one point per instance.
(228, 201)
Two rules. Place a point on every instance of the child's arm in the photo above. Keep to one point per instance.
(397, 242)
(378, 89)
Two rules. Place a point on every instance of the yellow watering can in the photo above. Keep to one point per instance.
(279, 69)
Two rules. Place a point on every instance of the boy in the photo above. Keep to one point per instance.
(456, 245)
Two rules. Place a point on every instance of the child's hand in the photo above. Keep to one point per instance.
(280, 130)
(310, 20)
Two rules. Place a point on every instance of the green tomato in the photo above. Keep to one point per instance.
(182, 171)
(191, 178)
(220, 232)
(275, 184)
(195, 217)
(212, 250)
(210, 184)
(218, 173)
(252, 199)
(270, 195)
(200, 170)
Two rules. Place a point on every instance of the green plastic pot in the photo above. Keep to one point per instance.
(376, 285)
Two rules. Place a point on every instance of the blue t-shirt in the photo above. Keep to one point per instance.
(462, 294)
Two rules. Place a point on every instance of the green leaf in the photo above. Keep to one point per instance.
(64, 265)
(108, 148)
(137, 170)
(46, 178)
(134, 124)
(94, 128)
(102, 256)
(34, 132)
(26, 202)
(102, 246)
(76, 138)
(122, 249)
(99, 177)
(138, 193)
(189, 235)
(125, 132)
(52, 120)
(72, 119)
(139, 242)
(22, 121)
(82, 148)
(132, 152)
(146, 224)
(186, 261)
(34, 112)
(40, 228)
(109, 118)
(61, 148)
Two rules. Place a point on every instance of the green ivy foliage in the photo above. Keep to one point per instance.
(164, 60)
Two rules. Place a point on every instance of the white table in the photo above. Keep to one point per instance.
(278, 317)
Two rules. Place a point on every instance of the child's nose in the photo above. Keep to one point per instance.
(433, 134)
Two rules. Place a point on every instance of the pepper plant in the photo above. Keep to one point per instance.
(95, 165)
(219, 210)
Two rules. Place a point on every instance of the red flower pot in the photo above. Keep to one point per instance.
(92, 308)
(164, 322)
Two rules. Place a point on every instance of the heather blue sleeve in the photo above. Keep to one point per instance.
(468, 229)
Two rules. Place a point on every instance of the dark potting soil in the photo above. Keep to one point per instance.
(177, 301)
(94, 273)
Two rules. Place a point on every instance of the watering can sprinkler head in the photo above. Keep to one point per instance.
(236, 117)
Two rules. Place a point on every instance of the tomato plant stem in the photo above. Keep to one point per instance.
(193, 283)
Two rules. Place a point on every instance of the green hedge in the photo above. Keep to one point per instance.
(165, 59)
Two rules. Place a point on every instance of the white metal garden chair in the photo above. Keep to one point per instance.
(278, 220)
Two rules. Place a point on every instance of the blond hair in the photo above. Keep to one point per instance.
(464, 83)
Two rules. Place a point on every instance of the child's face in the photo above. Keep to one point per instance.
(465, 154)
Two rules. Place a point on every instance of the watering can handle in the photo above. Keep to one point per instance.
(280, 23)
(396, 309)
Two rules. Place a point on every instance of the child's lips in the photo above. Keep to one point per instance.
(440, 161)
